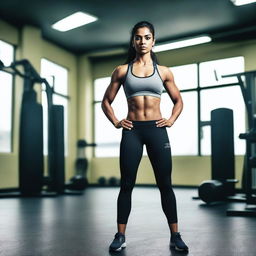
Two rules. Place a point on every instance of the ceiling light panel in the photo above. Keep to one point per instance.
(75, 20)
(182, 43)
(242, 2)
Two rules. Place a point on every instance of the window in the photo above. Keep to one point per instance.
(6, 95)
(107, 137)
(58, 76)
(211, 71)
(183, 135)
(202, 90)
(222, 96)
(217, 98)
(189, 81)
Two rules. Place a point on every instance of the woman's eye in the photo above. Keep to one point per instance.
(138, 38)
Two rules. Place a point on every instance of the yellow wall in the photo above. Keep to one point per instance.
(84, 106)
(8, 33)
(187, 170)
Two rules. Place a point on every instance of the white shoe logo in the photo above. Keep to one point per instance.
(167, 145)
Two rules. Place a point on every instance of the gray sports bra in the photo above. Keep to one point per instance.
(150, 85)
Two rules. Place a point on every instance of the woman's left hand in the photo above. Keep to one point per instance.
(164, 122)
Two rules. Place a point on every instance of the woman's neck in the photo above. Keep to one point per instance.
(144, 59)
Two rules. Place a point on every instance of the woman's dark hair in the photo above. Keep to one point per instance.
(131, 54)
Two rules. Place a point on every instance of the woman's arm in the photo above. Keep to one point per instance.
(109, 96)
(175, 96)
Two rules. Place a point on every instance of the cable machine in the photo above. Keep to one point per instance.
(248, 88)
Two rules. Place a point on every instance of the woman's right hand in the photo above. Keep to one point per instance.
(124, 123)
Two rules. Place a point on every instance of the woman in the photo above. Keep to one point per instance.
(143, 81)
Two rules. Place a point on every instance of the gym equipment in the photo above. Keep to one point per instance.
(102, 181)
(248, 89)
(113, 181)
(211, 191)
(31, 138)
(223, 180)
(31, 179)
(79, 181)
(56, 153)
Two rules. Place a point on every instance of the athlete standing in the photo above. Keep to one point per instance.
(143, 81)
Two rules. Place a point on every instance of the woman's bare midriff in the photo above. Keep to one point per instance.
(144, 108)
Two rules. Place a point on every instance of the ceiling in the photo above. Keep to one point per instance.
(172, 19)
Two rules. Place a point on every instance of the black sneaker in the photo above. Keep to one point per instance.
(177, 243)
(118, 242)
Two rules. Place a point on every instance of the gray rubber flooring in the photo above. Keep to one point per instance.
(84, 225)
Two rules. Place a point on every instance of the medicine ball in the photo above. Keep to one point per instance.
(102, 181)
(113, 181)
(211, 191)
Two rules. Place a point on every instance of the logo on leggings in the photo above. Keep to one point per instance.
(167, 145)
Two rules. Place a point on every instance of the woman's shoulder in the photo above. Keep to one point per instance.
(121, 70)
(123, 67)
(163, 68)
(163, 71)
(119, 73)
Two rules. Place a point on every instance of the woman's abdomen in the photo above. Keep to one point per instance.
(144, 108)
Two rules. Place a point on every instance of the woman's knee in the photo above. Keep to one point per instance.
(126, 186)
(165, 187)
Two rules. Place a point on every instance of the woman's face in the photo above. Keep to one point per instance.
(143, 40)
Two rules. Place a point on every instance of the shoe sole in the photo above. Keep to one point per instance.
(119, 249)
(177, 248)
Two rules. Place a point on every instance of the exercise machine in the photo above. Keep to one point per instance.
(79, 180)
(31, 166)
(247, 83)
(222, 184)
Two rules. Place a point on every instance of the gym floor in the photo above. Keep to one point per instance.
(84, 225)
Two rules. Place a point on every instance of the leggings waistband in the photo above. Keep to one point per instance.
(141, 123)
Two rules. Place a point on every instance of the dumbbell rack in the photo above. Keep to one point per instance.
(248, 89)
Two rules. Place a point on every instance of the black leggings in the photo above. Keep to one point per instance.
(159, 152)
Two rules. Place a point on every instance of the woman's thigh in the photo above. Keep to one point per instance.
(159, 152)
(131, 149)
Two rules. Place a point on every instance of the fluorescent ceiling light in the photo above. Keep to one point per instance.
(242, 2)
(182, 43)
(73, 21)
